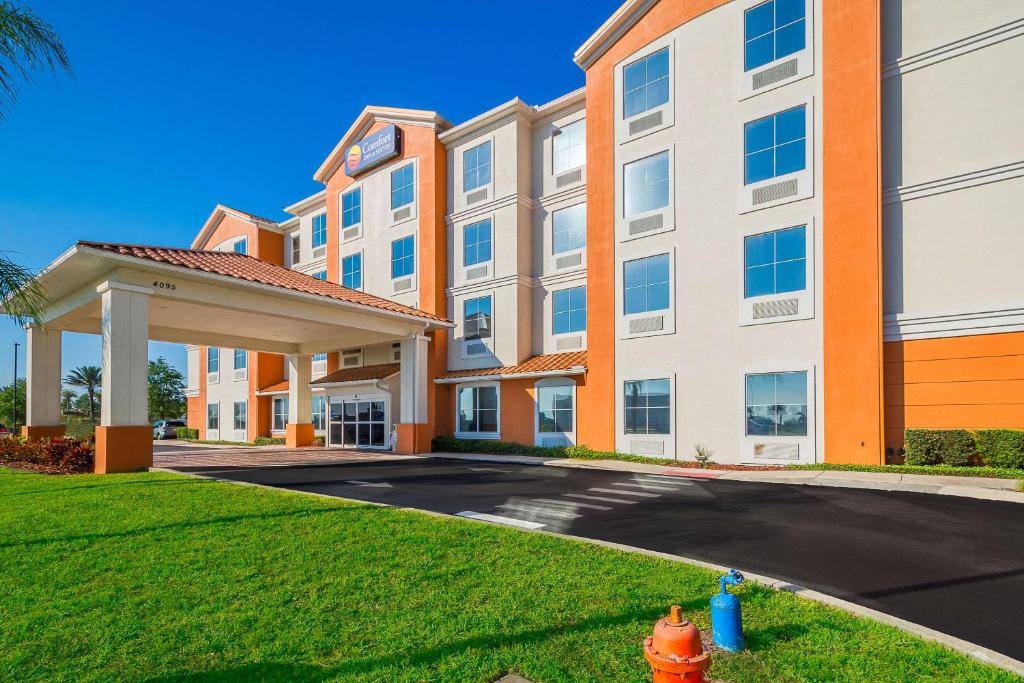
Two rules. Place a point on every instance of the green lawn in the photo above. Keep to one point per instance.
(160, 577)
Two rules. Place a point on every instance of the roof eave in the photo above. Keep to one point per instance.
(610, 31)
(566, 372)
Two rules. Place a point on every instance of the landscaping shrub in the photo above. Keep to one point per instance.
(269, 441)
(187, 433)
(319, 441)
(446, 444)
(63, 454)
(933, 446)
(1000, 447)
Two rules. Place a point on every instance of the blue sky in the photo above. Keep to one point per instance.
(177, 106)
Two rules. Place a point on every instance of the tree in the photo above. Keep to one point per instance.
(67, 397)
(7, 403)
(27, 44)
(166, 390)
(22, 297)
(88, 377)
(81, 404)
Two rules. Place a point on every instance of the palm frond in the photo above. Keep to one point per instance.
(27, 44)
(21, 295)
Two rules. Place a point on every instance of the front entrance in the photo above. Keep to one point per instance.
(358, 423)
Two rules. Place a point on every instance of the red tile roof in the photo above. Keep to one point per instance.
(274, 388)
(367, 372)
(251, 269)
(538, 364)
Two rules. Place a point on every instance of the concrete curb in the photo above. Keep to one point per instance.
(972, 650)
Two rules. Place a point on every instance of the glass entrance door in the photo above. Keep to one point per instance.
(358, 423)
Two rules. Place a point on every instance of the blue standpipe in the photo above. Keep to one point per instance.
(726, 615)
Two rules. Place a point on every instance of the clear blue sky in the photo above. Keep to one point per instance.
(178, 106)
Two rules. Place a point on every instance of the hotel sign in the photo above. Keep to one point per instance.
(373, 150)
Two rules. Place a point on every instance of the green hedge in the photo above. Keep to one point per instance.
(939, 446)
(1000, 447)
(187, 433)
(269, 441)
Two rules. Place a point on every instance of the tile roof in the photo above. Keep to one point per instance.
(251, 269)
(367, 372)
(550, 362)
(274, 388)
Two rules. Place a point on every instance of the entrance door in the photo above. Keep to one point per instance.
(358, 423)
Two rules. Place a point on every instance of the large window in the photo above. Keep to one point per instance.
(239, 416)
(352, 271)
(280, 420)
(352, 208)
(241, 359)
(645, 84)
(319, 413)
(647, 405)
(645, 184)
(570, 147)
(478, 410)
(212, 360)
(776, 404)
(771, 31)
(569, 229)
(319, 230)
(213, 416)
(775, 145)
(403, 189)
(555, 407)
(645, 284)
(296, 249)
(477, 316)
(476, 242)
(569, 310)
(403, 261)
(476, 167)
(775, 262)
(241, 246)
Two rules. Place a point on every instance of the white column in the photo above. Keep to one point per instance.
(300, 401)
(43, 377)
(414, 379)
(125, 330)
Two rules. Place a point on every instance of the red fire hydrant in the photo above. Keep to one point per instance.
(675, 651)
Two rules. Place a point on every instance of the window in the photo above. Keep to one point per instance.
(212, 360)
(775, 262)
(396, 351)
(569, 231)
(296, 249)
(775, 145)
(352, 271)
(555, 407)
(476, 313)
(241, 359)
(402, 257)
(241, 246)
(647, 405)
(645, 184)
(645, 84)
(239, 416)
(320, 358)
(646, 284)
(319, 230)
(569, 149)
(569, 310)
(476, 243)
(771, 31)
(213, 416)
(476, 167)
(280, 414)
(776, 404)
(320, 275)
(352, 208)
(319, 413)
(403, 190)
(478, 410)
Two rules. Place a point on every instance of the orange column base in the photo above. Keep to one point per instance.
(38, 432)
(413, 438)
(123, 449)
(299, 435)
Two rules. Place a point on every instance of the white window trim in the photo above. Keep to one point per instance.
(460, 169)
(556, 132)
(461, 248)
(213, 434)
(294, 237)
(245, 430)
(362, 268)
(358, 227)
(561, 254)
(356, 353)
(495, 436)
(550, 311)
(414, 205)
(538, 436)
(668, 109)
(805, 57)
(213, 377)
(668, 213)
(273, 412)
(667, 441)
(488, 342)
(415, 263)
(807, 444)
(805, 298)
(327, 233)
(669, 322)
(805, 179)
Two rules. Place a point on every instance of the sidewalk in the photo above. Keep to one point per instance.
(982, 488)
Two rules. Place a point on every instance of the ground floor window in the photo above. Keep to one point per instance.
(319, 412)
(776, 404)
(240, 416)
(478, 409)
(280, 414)
(555, 408)
(213, 416)
(648, 403)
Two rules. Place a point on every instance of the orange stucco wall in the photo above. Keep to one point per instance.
(972, 382)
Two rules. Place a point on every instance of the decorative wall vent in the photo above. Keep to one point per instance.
(569, 178)
(350, 234)
(565, 343)
(569, 261)
(474, 273)
(402, 214)
(647, 447)
(645, 123)
(775, 74)
(319, 251)
(402, 285)
(240, 374)
(775, 309)
(474, 197)
(642, 225)
(771, 193)
(777, 451)
(651, 324)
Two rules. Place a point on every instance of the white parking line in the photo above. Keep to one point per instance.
(641, 485)
(627, 493)
(538, 510)
(601, 498)
(572, 504)
(498, 519)
(665, 481)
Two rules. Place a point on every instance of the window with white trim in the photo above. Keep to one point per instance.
(775, 262)
(403, 257)
(646, 284)
(241, 359)
(213, 416)
(352, 271)
(241, 246)
(212, 360)
(775, 145)
(569, 147)
(296, 249)
(569, 310)
(476, 315)
(403, 189)
(280, 413)
(569, 229)
(648, 405)
(476, 167)
(556, 408)
(319, 230)
(776, 404)
(320, 275)
(645, 184)
(773, 30)
(645, 83)
(477, 408)
(352, 208)
(476, 242)
(319, 413)
(239, 416)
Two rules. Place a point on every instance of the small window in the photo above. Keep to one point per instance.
(239, 416)
(773, 30)
(320, 275)
(296, 249)
(555, 408)
(646, 284)
(213, 416)
(241, 359)
(352, 208)
(645, 184)
(319, 230)
(280, 414)
(775, 262)
(775, 145)
(569, 148)
(776, 404)
(645, 84)
(478, 410)
(241, 246)
(403, 261)
(569, 229)
(476, 243)
(647, 405)
(569, 310)
(212, 360)
(352, 271)
(476, 314)
(396, 351)
(403, 189)
(476, 167)
(319, 413)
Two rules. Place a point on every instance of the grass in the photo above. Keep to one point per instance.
(161, 577)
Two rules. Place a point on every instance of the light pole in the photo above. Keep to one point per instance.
(14, 386)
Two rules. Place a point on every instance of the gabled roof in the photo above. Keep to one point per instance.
(218, 214)
(250, 269)
(363, 374)
(574, 362)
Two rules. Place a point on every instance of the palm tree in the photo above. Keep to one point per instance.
(88, 377)
(21, 296)
(66, 397)
(27, 44)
